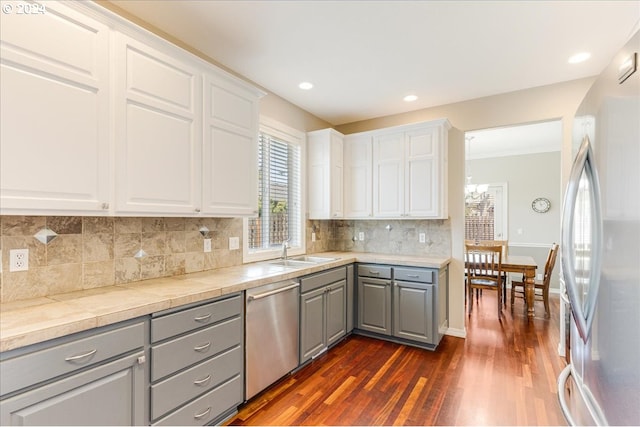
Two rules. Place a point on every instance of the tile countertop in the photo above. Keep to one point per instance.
(40, 319)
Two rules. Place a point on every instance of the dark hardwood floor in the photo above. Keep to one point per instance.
(503, 373)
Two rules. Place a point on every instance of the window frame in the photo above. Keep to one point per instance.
(295, 137)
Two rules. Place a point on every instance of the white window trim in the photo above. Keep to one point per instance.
(292, 136)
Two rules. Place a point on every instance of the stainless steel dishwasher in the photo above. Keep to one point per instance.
(272, 334)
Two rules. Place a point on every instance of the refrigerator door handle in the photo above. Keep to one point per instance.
(583, 315)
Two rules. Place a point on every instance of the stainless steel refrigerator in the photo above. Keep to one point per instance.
(600, 251)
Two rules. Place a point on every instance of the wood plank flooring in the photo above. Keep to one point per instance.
(503, 373)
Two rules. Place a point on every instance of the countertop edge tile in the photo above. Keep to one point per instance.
(153, 295)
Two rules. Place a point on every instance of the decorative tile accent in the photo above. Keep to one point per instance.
(140, 255)
(45, 235)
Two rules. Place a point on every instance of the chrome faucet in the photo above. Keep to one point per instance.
(285, 246)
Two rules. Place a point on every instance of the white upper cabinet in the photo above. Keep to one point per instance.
(100, 117)
(158, 131)
(325, 174)
(358, 178)
(230, 165)
(388, 175)
(409, 172)
(425, 194)
(54, 141)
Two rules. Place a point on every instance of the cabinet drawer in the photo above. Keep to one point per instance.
(179, 353)
(33, 368)
(208, 407)
(174, 391)
(377, 271)
(194, 318)
(413, 275)
(321, 279)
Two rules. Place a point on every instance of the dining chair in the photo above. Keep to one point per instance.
(517, 287)
(484, 271)
(504, 244)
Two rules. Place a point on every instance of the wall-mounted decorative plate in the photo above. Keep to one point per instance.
(541, 205)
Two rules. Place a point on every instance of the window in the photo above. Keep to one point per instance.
(486, 213)
(280, 210)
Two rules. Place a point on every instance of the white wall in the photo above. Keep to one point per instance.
(528, 177)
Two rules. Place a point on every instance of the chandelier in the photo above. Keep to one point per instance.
(473, 193)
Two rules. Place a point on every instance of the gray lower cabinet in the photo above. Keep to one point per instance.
(93, 378)
(197, 362)
(408, 304)
(374, 299)
(323, 311)
(413, 311)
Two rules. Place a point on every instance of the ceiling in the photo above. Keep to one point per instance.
(364, 56)
(529, 138)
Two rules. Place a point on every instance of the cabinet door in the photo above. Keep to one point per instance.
(54, 110)
(358, 177)
(158, 130)
(422, 174)
(336, 311)
(230, 163)
(312, 323)
(374, 305)
(325, 174)
(110, 394)
(388, 175)
(337, 177)
(413, 311)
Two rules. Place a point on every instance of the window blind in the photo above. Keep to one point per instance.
(479, 219)
(279, 195)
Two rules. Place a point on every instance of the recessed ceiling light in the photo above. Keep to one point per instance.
(305, 85)
(410, 98)
(579, 57)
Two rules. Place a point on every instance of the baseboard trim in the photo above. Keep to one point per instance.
(455, 332)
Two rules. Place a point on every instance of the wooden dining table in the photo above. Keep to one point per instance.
(527, 266)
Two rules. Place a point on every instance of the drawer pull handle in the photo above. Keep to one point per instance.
(202, 414)
(202, 381)
(81, 356)
(203, 347)
(413, 276)
(203, 318)
(374, 272)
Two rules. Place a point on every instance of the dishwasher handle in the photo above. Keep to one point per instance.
(273, 292)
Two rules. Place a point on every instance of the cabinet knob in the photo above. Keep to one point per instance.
(197, 210)
(105, 206)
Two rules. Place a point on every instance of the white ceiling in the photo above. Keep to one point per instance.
(365, 56)
(514, 140)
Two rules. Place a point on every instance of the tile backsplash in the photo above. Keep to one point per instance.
(91, 252)
(399, 237)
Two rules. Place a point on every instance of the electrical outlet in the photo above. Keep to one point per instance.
(422, 237)
(234, 243)
(207, 245)
(313, 237)
(361, 235)
(19, 260)
(539, 276)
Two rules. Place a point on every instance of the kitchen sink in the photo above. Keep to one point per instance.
(292, 263)
(302, 261)
(313, 259)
